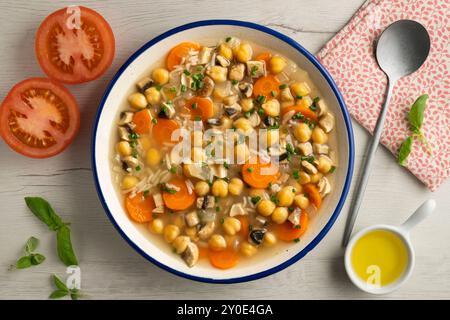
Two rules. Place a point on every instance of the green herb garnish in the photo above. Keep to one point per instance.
(183, 88)
(283, 86)
(194, 105)
(249, 169)
(62, 290)
(261, 99)
(255, 200)
(296, 174)
(138, 168)
(234, 82)
(186, 72)
(30, 258)
(332, 169)
(155, 121)
(274, 199)
(165, 188)
(254, 70)
(227, 39)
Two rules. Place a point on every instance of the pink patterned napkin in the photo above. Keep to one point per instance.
(350, 60)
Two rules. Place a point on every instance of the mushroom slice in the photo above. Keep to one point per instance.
(321, 107)
(224, 62)
(237, 72)
(207, 230)
(192, 218)
(195, 170)
(206, 202)
(246, 89)
(158, 210)
(256, 68)
(309, 167)
(254, 119)
(286, 95)
(305, 148)
(144, 84)
(326, 122)
(324, 186)
(321, 148)
(213, 121)
(124, 134)
(131, 162)
(256, 236)
(158, 200)
(125, 118)
(208, 87)
(261, 220)
(233, 110)
(238, 209)
(205, 55)
(190, 254)
(294, 217)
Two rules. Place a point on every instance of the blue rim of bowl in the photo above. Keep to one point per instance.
(336, 92)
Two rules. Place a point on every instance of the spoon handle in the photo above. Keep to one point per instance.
(366, 165)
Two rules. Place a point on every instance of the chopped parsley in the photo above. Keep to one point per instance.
(155, 121)
(333, 168)
(198, 118)
(186, 72)
(297, 240)
(227, 39)
(138, 168)
(273, 93)
(261, 99)
(255, 200)
(133, 136)
(146, 193)
(173, 169)
(194, 105)
(310, 158)
(158, 87)
(299, 97)
(226, 165)
(249, 169)
(283, 86)
(274, 199)
(173, 89)
(234, 82)
(165, 188)
(254, 70)
(183, 88)
(296, 174)
(298, 226)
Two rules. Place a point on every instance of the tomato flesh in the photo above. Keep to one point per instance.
(75, 53)
(39, 118)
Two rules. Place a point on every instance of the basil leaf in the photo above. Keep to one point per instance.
(405, 150)
(44, 212)
(58, 294)
(24, 262)
(64, 246)
(417, 112)
(37, 259)
(31, 245)
(59, 284)
(74, 295)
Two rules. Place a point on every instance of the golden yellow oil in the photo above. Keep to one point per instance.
(379, 257)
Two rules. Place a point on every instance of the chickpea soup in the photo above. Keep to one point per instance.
(223, 151)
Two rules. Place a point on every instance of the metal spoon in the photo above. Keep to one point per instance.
(401, 49)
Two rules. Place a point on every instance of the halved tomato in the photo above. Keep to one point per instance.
(39, 118)
(74, 50)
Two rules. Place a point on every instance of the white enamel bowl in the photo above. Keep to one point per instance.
(123, 83)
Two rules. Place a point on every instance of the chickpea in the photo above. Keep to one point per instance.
(269, 239)
(325, 164)
(316, 177)
(124, 148)
(217, 242)
(226, 122)
(235, 186)
(319, 136)
(248, 249)
(171, 231)
(247, 104)
(280, 215)
(277, 64)
(137, 100)
(129, 182)
(286, 196)
(300, 89)
(178, 221)
(153, 96)
(157, 226)
(271, 108)
(144, 142)
(191, 232)
(244, 125)
(241, 153)
(272, 137)
(153, 157)
(244, 52)
(231, 226)
(220, 188)
(305, 102)
(266, 207)
(304, 178)
(294, 184)
(302, 132)
(201, 188)
(218, 73)
(225, 51)
(180, 243)
(160, 76)
(301, 201)
(219, 93)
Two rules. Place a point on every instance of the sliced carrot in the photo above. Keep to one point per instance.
(140, 208)
(224, 259)
(180, 51)
(203, 252)
(264, 86)
(143, 121)
(244, 226)
(259, 174)
(181, 199)
(200, 107)
(264, 56)
(313, 194)
(288, 232)
(307, 112)
(163, 129)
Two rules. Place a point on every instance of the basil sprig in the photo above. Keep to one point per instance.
(44, 212)
(62, 290)
(30, 258)
(415, 117)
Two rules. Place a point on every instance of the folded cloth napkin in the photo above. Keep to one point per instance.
(350, 60)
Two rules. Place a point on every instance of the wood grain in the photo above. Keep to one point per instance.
(110, 268)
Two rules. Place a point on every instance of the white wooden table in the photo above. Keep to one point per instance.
(110, 268)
